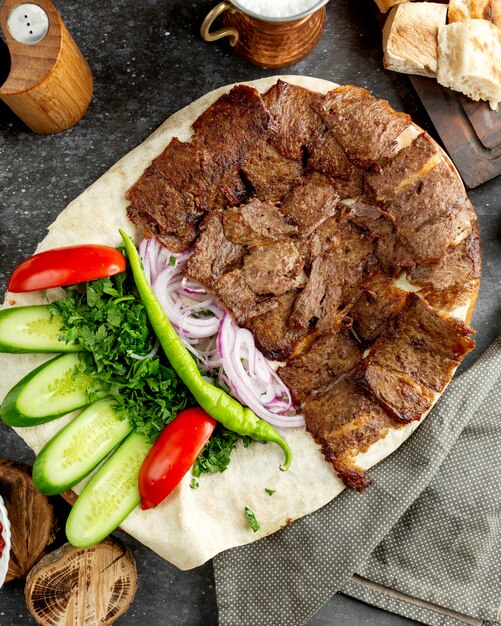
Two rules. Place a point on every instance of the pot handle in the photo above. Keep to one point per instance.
(222, 32)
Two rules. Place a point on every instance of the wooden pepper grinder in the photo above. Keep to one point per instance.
(50, 83)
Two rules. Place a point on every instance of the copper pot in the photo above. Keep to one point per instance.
(267, 42)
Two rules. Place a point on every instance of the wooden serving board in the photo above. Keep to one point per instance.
(470, 131)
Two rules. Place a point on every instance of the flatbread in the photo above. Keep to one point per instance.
(191, 526)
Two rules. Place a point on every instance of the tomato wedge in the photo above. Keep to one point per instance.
(66, 266)
(172, 455)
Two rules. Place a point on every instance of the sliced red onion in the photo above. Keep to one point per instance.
(269, 402)
(204, 350)
(220, 347)
(190, 287)
(182, 314)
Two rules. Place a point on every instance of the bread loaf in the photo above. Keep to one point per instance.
(469, 59)
(410, 37)
(462, 10)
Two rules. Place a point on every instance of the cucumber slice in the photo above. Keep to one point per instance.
(76, 449)
(53, 389)
(32, 329)
(112, 493)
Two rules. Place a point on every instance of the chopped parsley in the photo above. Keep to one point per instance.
(194, 483)
(251, 518)
(107, 318)
(216, 455)
(270, 492)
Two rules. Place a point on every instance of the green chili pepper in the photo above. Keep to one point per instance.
(216, 402)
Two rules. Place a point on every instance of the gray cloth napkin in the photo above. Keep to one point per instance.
(423, 541)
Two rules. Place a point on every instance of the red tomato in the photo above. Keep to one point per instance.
(66, 266)
(172, 455)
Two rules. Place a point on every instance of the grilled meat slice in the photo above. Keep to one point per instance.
(380, 229)
(377, 303)
(295, 122)
(460, 266)
(342, 260)
(256, 223)
(232, 127)
(273, 269)
(413, 359)
(328, 157)
(214, 254)
(272, 335)
(239, 298)
(405, 169)
(344, 421)
(367, 128)
(270, 175)
(315, 369)
(432, 214)
(310, 203)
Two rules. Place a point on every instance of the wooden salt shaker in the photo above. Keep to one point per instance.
(50, 83)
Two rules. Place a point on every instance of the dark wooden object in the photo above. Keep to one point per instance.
(469, 130)
(32, 518)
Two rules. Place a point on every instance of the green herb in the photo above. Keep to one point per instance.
(172, 260)
(194, 483)
(270, 492)
(216, 455)
(251, 518)
(108, 319)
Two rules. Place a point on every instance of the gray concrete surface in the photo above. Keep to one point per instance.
(148, 61)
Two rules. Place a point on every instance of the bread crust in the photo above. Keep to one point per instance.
(410, 37)
(463, 10)
(469, 59)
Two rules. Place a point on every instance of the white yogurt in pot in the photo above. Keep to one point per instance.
(278, 9)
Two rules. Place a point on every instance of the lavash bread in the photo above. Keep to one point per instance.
(469, 59)
(463, 10)
(386, 5)
(410, 37)
(191, 526)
